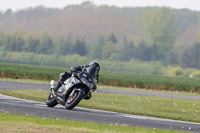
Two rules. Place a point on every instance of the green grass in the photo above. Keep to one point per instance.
(149, 90)
(26, 80)
(151, 81)
(10, 123)
(16, 71)
(110, 87)
(178, 109)
(12, 70)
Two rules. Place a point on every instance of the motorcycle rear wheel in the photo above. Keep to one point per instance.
(51, 101)
(73, 100)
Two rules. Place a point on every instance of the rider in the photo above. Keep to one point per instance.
(93, 69)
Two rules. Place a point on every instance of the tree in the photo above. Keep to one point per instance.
(142, 52)
(191, 57)
(64, 46)
(187, 40)
(171, 58)
(112, 38)
(46, 44)
(96, 49)
(31, 43)
(198, 33)
(108, 49)
(124, 52)
(158, 27)
(1, 39)
(154, 52)
(18, 42)
(13, 42)
(80, 48)
(8, 12)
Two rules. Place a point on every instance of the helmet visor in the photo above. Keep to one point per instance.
(93, 71)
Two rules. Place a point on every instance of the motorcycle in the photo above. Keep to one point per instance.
(79, 86)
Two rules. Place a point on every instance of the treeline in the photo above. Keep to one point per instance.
(103, 49)
(163, 35)
(41, 44)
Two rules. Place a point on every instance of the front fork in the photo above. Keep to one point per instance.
(72, 93)
(76, 89)
(52, 85)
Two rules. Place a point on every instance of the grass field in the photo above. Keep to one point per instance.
(30, 124)
(111, 87)
(151, 82)
(178, 109)
(17, 71)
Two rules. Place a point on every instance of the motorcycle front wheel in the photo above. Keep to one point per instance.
(51, 101)
(74, 99)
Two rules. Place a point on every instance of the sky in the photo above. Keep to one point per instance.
(16, 5)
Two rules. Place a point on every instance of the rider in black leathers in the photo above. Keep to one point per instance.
(93, 69)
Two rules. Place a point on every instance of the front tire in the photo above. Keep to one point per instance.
(73, 100)
(51, 100)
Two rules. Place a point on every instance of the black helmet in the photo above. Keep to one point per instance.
(94, 64)
(93, 68)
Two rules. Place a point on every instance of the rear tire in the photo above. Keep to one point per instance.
(72, 101)
(51, 101)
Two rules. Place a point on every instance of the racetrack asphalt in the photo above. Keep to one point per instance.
(10, 85)
(28, 107)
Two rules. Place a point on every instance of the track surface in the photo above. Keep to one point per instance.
(27, 107)
(10, 85)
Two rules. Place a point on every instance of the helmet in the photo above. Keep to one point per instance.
(94, 64)
(93, 68)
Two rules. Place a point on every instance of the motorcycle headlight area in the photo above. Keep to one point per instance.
(71, 81)
(85, 81)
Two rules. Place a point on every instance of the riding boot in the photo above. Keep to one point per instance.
(58, 84)
(88, 96)
(62, 77)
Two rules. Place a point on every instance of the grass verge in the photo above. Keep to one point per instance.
(178, 109)
(20, 123)
(149, 90)
(110, 87)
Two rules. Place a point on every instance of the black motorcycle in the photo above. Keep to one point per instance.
(73, 90)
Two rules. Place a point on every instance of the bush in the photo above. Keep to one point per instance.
(177, 71)
(195, 74)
